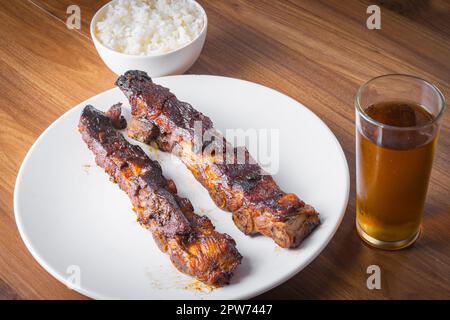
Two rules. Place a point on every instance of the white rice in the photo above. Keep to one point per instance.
(143, 27)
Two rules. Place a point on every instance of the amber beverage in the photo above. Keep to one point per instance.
(396, 134)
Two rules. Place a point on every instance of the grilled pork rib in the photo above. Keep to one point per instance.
(257, 203)
(193, 245)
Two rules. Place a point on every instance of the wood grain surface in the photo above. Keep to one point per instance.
(318, 52)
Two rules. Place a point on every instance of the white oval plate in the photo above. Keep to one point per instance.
(80, 227)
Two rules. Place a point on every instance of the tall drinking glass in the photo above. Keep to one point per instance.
(397, 126)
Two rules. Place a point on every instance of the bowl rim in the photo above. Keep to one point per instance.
(159, 54)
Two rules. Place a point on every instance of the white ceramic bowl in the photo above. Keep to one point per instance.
(156, 65)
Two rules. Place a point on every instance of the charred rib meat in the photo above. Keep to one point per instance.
(193, 245)
(256, 201)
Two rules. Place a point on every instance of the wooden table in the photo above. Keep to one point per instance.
(317, 52)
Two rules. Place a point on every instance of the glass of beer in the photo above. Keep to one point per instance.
(397, 126)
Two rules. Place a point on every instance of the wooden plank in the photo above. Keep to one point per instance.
(44, 71)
